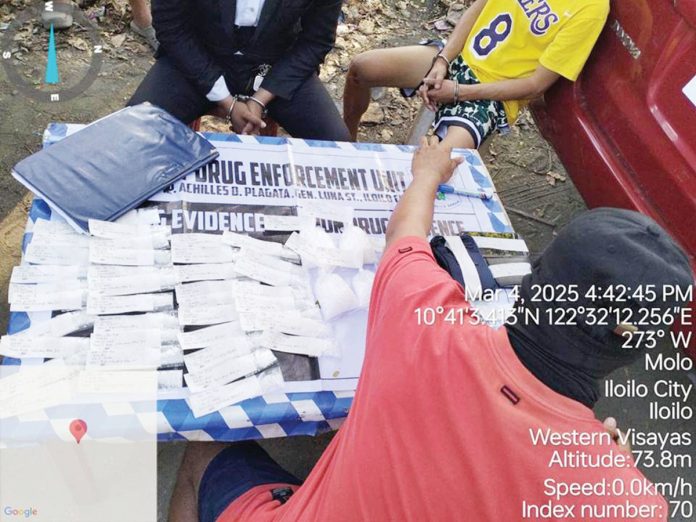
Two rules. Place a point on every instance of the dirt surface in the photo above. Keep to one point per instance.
(22, 120)
(527, 173)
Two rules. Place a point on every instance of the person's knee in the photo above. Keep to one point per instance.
(334, 130)
(196, 458)
(364, 70)
(136, 99)
(341, 134)
(458, 138)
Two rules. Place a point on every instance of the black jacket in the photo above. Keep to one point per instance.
(292, 35)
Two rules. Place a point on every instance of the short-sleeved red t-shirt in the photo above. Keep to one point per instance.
(447, 424)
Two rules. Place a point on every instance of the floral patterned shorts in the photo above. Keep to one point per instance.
(479, 117)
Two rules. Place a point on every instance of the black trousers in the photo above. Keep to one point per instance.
(311, 113)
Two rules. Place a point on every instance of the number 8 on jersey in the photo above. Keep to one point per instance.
(490, 37)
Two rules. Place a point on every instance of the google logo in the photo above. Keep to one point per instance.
(26, 513)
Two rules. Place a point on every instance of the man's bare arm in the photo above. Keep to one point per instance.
(455, 44)
(413, 216)
(528, 88)
(456, 40)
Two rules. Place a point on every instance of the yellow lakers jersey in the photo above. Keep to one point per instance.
(512, 37)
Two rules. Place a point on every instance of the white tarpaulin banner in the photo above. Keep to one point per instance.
(333, 184)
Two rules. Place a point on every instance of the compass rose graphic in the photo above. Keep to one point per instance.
(69, 70)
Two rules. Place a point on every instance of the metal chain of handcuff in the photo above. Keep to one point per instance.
(449, 64)
(243, 98)
(262, 72)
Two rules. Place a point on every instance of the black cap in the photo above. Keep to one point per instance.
(609, 248)
(600, 249)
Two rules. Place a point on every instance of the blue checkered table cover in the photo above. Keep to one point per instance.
(267, 416)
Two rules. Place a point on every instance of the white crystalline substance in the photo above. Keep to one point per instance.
(355, 239)
(335, 296)
(317, 236)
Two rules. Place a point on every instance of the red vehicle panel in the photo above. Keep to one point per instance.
(626, 130)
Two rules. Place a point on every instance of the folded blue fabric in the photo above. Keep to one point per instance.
(114, 164)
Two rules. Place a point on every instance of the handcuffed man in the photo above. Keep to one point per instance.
(245, 59)
(501, 54)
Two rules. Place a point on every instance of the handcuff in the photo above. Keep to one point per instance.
(440, 55)
(237, 97)
(229, 111)
(449, 64)
(264, 109)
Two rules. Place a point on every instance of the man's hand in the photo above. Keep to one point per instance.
(434, 79)
(613, 429)
(244, 121)
(431, 166)
(442, 94)
(251, 117)
(434, 159)
(265, 97)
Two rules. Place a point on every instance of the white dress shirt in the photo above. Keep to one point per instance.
(248, 12)
(247, 15)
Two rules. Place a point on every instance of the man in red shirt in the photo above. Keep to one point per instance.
(462, 421)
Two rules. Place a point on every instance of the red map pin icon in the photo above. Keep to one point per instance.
(78, 428)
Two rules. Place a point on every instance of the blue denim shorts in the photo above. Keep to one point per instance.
(233, 472)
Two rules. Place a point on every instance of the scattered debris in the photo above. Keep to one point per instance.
(117, 40)
(530, 216)
(552, 177)
(78, 43)
(374, 114)
(378, 93)
(454, 13)
(96, 13)
(366, 26)
(442, 25)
